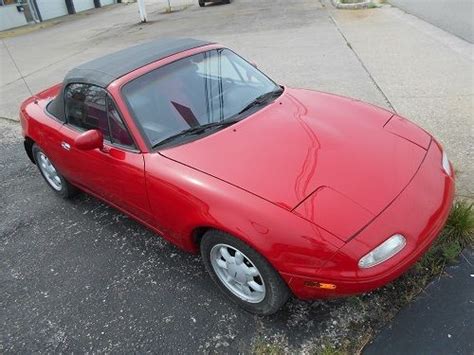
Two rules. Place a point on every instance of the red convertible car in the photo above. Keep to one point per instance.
(283, 191)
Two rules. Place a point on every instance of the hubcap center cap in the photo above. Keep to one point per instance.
(237, 273)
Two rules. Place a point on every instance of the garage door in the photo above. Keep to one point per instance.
(82, 5)
(107, 2)
(51, 8)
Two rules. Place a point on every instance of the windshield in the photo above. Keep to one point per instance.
(199, 91)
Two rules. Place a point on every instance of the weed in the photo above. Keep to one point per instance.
(262, 347)
(329, 350)
(456, 235)
(460, 224)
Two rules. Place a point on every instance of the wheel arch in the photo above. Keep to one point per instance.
(28, 144)
(198, 232)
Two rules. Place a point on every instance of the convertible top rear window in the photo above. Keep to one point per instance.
(50, 110)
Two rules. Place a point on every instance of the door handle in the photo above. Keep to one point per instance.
(66, 146)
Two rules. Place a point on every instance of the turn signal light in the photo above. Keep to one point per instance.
(323, 285)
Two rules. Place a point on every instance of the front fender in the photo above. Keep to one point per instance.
(183, 199)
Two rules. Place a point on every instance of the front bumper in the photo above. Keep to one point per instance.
(419, 213)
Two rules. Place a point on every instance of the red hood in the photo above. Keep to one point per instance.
(307, 140)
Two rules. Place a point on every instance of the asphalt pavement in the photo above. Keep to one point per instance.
(440, 321)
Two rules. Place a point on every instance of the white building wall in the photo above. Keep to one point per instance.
(82, 5)
(51, 8)
(107, 2)
(10, 17)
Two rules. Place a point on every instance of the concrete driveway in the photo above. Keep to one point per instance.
(78, 276)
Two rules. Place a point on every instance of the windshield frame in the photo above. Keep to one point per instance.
(157, 147)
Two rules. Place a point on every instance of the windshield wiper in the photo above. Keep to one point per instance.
(263, 99)
(260, 100)
(197, 130)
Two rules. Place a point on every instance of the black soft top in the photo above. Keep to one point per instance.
(104, 70)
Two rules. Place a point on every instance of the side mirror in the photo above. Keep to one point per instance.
(89, 140)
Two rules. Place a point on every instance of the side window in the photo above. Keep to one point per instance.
(118, 131)
(86, 108)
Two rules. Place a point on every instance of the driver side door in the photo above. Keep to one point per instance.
(114, 173)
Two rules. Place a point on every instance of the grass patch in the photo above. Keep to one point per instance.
(457, 234)
(460, 224)
(262, 347)
(328, 349)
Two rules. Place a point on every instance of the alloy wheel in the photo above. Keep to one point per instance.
(49, 171)
(238, 273)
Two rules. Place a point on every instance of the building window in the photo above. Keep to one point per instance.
(10, 2)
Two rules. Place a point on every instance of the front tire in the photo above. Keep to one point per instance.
(53, 178)
(202, 3)
(243, 274)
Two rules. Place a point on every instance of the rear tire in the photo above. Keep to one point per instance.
(226, 1)
(53, 178)
(243, 274)
(202, 3)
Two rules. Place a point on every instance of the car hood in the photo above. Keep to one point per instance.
(305, 141)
